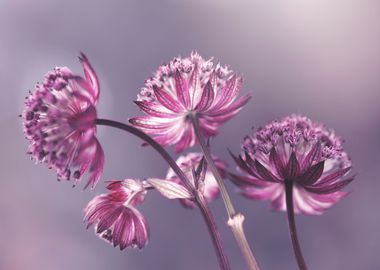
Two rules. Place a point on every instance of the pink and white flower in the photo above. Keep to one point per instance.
(298, 150)
(208, 185)
(115, 215)
(59, 122)
(185, 88)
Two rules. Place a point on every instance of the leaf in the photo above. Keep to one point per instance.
(170, 189)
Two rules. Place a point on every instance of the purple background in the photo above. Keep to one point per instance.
(320, 58)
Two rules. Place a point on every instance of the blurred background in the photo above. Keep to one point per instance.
(320, 58)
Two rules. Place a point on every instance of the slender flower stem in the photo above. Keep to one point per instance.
(292, 225)
(202, 204)
(235, 220)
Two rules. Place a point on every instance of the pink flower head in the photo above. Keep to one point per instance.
(59, 122)
(184, 88)
(115, 217)
(301, 151)
(209, 186)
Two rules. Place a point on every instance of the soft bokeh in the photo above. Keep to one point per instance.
(320, 58)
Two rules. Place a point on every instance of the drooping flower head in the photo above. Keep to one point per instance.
(115, 215)
(59, 122)
(298, 150)
(208, 185)
(185, 88)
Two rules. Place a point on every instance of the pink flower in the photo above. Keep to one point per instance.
(115, 217)
(184, 88)
(209, 186)
(59, 122)
(298, 150)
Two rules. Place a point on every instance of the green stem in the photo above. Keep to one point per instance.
(235, 220)
(201, 203)
(292, 225)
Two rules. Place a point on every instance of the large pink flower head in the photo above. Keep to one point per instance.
(59, 122)
(298, 150)
(115, 215)
(185, 88)
(209, 187)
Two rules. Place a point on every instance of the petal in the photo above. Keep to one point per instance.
(207, 98)
(128, 230)
(275, 159)
(167, 100)
(141, 229)
(154, 109)
(229, 92)
(195, 86)
(314, 204)
(120, 225)
(333, 176)
(271, 192)
(242, 181)
(91, 77)
(312, 174)
(326, 189)
(264, 173)
(181, 89)
(241, 164)
(96, 167)
(235, 106)
(293, 167)
(152, 123)
(313, 155)
(170, 189)
(108, 219)
(187, 139)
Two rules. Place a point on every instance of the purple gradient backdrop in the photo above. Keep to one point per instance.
(320, 58)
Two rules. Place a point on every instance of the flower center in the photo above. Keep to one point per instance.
(84, 120)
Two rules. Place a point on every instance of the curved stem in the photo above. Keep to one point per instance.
(208, 217)
(235, 220)
(292, 225)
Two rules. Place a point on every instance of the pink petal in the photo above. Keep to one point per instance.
(91, 77)
(167, 100)
(182, 89)
(154, 109)
(206, 99)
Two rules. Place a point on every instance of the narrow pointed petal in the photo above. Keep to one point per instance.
(147, 122)
(207, 97)
(229, 91)
(141, 230)
(312, 174)
(264, 173)
(277, 162)
(240, 180)
(293, 167)
(326, 189)
(313, 155)
(167, 100)
(170, 189)
(91, 76)
(108, 219)
(96, 167)
(241, 164)
(334, 176)
(153, 109)
(235, 106)
(182, 89)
